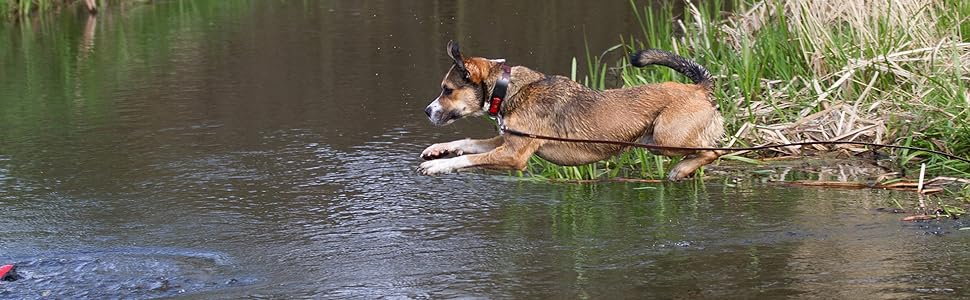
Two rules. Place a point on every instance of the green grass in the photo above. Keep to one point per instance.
(892, 72)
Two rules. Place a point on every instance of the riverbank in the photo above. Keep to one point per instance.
(891, 72)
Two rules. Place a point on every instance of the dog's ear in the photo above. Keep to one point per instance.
(455, 55)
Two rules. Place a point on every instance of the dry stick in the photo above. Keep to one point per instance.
(918, 218)
(919, 188)
(903, 185)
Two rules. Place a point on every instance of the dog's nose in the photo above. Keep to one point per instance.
(427, 111)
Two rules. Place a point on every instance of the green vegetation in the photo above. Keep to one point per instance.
(886, 71)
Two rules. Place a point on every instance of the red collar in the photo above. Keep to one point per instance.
(498, 93)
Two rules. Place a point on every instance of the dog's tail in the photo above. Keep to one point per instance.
(694, 71)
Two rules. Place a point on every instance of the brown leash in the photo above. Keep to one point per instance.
(659, 147)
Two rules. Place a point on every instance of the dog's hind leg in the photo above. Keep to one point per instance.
(691, 163)
(686, 128)
(461, 147)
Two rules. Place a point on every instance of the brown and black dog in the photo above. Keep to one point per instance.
(669, 114)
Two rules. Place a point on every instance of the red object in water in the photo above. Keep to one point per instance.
(4, 270)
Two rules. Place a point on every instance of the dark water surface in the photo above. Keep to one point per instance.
(218, 149)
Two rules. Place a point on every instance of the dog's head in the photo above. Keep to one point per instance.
(463, 88)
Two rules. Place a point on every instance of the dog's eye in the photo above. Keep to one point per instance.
(446, 90)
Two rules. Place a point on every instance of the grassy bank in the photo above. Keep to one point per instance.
(893, 72)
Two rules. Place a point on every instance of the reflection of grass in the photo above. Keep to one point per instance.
(11, 9)
(585, 211)
(878, 71)
(58, 72)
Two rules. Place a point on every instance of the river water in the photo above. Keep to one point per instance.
(221, 149)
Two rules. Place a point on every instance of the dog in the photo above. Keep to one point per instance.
(667, 114)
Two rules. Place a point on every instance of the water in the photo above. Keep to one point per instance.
(218, 149)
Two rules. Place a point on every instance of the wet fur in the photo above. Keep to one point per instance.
(669, 113)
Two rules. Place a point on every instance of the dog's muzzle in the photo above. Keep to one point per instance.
(437, 115)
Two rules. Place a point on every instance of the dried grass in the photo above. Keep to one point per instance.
(834, 35)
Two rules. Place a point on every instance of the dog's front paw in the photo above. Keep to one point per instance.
(437, 151)
(435, 167)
